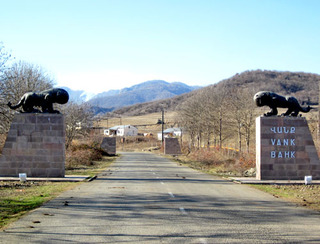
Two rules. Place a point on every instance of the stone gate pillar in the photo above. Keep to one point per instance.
(35, 145)
(285, 149)
(172, 146)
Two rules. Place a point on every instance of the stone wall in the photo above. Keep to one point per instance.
(285, 149)
(172, 146)
(109, 145)
(35, 145)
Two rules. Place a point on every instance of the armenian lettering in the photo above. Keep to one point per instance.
(283, 142)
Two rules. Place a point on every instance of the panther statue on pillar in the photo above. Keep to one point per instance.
(274, 101)
(44, 100)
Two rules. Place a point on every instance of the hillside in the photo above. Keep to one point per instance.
(304, 86)
(143, 92)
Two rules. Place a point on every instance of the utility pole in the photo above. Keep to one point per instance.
(162, 125)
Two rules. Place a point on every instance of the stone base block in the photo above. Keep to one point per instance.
(172, 146)
(35, 145)
(285, 149)
(109, 145)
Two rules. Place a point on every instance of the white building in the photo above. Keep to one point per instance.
(121, 130)
(171, 132)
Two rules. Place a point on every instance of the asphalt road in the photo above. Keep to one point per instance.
(144, 198)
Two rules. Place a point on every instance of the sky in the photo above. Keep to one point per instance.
(100, 45)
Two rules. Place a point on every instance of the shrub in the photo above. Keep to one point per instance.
(221, 161)
(82, 155)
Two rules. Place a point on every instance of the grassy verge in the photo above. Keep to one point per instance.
(303, 195)
(17, 198)
(225, 168)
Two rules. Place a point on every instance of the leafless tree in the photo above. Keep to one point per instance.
(189, 118)
(216, 112)
(78, 119)
(17, 79)
(204, 116)
(242, 114)
(4, 59)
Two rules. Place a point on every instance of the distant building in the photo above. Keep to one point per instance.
(121, 130)
(170, 132)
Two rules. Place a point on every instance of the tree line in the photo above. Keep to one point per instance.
(224, 114)
(219, 115)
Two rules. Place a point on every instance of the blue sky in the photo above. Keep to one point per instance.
(98, 45)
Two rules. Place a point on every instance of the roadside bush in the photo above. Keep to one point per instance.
(82, 155)
(209, 157)
(247, 161)
(221, 161)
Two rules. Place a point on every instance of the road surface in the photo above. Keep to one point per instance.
(145, 198)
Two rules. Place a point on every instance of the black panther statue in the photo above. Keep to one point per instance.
(274, 101)
(44, 99)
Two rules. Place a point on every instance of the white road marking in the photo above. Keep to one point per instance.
(170, 193)
(182, 210)
(162, 183)
(203, 241)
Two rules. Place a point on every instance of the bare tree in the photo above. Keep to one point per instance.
(204, 116)
(19, 78)
(24, 77)
(191, 119)
(4, 59)
(78, 119)
(243, 108)
(217, 110)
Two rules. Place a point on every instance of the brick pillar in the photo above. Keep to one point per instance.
(285, 149)
(109, 145)
(35, 145)
(172, 146)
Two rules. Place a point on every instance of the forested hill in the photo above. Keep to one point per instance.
(304, 86)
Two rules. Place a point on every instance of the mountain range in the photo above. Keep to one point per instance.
(303, 86)
(144, 92)
(154, 96)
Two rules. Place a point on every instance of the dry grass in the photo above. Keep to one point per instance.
(138, 144)
(144, 123)
(303, 195)
(218, 162)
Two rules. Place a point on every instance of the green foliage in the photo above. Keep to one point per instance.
(18, 198)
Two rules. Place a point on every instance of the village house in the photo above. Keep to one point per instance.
(170, 132)
(121, 130)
